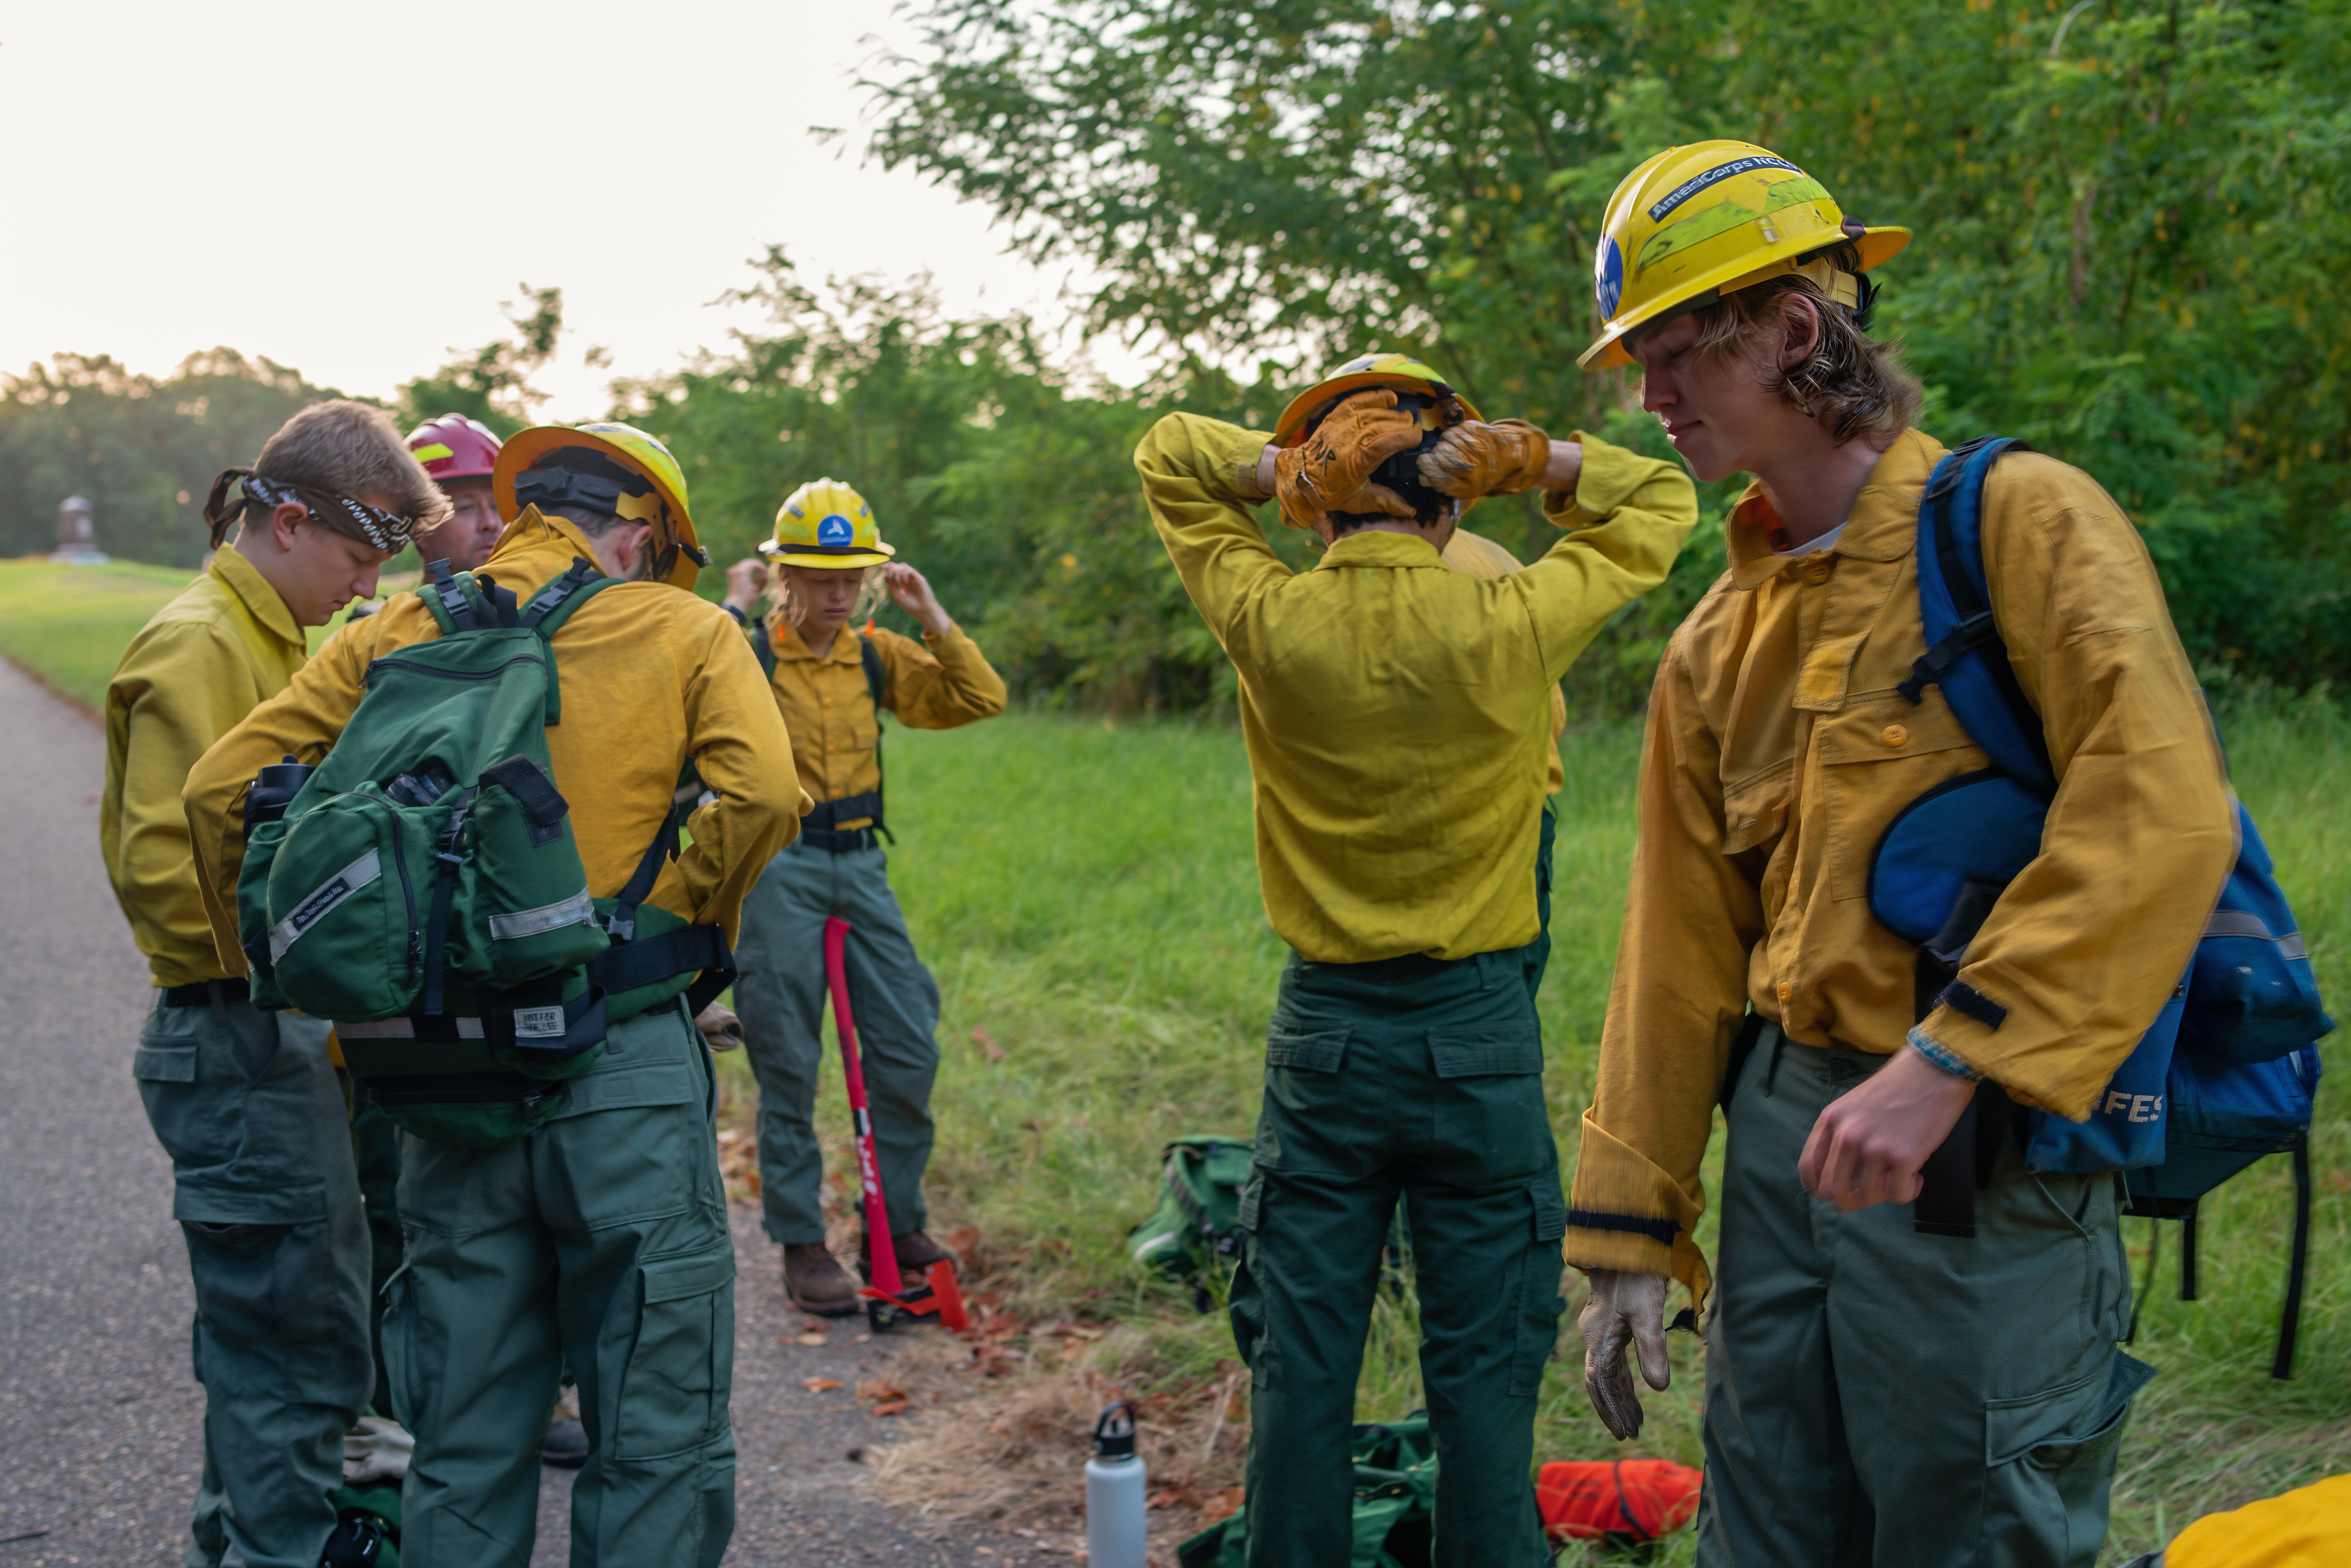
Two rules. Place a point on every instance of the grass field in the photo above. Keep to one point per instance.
(1086, 894)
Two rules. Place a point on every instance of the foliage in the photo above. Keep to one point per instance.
(492, 383)
(2129, 216)
(143, 450)
(984, 468)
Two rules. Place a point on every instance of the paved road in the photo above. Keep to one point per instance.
(99, 1413)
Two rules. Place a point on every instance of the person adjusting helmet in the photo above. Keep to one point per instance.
(1911, 1347)
(461, 454)
(607, 469)
(827, 560)
(559, 1173)
(1398, 720)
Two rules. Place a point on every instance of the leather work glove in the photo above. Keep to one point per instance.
(1327, 471)
(1471, 459)
(1622, 1307)
(721, 1030)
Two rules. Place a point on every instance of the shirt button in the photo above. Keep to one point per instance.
(827, 702)
(1786, 990)
(1895, 734)
(1818, 571)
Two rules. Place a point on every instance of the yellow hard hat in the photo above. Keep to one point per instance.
(1400, 371)
(1698, 221)
(824, 523)
(611, 467)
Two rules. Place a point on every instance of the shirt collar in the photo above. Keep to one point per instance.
(259, 598)
(1378, 547)
(1882, 526)
(537, 548)
(788, 643)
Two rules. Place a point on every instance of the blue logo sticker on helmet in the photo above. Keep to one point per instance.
(834, 530)
(1607, 275)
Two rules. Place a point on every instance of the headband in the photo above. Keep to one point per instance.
(386, 531)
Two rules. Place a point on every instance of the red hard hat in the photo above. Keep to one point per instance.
(454, 448)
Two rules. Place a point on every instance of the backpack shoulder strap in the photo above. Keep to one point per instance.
(552, 606)
(877, 674)
(763, 648)
(1965, 655)
(453, 599)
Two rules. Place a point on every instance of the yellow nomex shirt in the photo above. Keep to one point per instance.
(1779, 752)
(223, 645)
(651, 676)
(938, 684)
(1395, 712)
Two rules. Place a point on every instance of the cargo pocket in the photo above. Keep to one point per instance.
(1489, 1101)
(1536, 1333)
(2049, 1459)
(673, 1395)
(1305, 1097)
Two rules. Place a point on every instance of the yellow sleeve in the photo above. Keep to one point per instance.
(302, 721)
(939, 683)
(1187, 464)
(1627, 519)
(180, 688)
(735, 734)
(2086, 944)
(1678, 995)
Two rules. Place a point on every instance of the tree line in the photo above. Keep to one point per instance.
(2129, 216)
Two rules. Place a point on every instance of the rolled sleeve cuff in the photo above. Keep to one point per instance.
(1942, 1056)
(1609, 478)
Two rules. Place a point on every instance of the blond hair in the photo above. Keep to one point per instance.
(1858, 386)
(781, 619)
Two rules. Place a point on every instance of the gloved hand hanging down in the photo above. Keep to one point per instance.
(1622, 1307)
(1474, 459)
(1326, 472)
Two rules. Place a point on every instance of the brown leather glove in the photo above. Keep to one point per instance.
(1327, 471)
(721, 1030)
(1473, 459)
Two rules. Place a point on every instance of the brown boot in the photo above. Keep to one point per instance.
(816, 1284)
(915, 1253)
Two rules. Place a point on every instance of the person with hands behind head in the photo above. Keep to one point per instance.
(1398, 714)
(1883, 1385)
(826, 566)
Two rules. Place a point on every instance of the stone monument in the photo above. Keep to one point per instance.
(77, 544)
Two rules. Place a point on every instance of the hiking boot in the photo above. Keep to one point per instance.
(817, 1284)
(565, 1445)
(915, 1253)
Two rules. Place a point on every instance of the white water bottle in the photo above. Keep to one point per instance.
(1116, 1536)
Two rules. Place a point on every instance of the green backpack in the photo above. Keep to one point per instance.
(1198, 1220)
(423, 889)
(1394, 1504)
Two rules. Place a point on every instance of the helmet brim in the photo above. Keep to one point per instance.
(845, 557)
(1876, 248)
(1290, 428)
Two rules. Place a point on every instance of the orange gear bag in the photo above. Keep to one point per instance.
(1622, 1502)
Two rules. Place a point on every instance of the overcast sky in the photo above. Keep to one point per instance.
(352, 190)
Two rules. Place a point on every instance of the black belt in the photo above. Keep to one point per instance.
(200, 993)
(839, 841)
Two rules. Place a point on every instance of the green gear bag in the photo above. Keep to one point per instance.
(423, 890)
(1394, 1507)
(1198, 1220)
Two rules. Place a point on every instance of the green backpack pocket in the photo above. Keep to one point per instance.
(349, 944)
(522, 900)
(261, 843)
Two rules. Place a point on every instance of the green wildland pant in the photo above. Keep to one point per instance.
(248, 1105)
(375, 1146)
(1419, 1080)
(599, 1241)
(779, 990)
(1879, 1397)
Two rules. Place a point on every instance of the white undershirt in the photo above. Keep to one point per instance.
(1814, 546)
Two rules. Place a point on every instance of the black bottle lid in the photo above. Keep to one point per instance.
(1114, 1432)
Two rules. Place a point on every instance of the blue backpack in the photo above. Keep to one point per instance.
(2226, 1073)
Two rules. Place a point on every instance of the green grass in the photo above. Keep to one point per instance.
(68, 624)
(1088, 897)
(1087, 894)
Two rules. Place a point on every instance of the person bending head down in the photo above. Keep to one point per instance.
(332, 497)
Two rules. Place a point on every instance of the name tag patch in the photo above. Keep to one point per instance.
(538, 1023)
